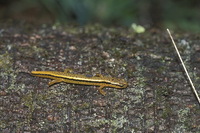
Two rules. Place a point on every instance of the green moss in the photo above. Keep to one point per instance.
(28, 101)
(115, 122)
(184, 122)
(167, 111)
(6, 62)
(7, 71)
(81, 106)
(118, 122)
(30, 51)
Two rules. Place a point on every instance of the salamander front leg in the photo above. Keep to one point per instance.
(101, 90)
(67, 70)
(55, 81)
(98, 75)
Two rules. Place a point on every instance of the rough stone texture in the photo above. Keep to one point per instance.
(158, 98)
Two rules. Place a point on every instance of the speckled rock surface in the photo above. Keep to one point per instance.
(157, 99)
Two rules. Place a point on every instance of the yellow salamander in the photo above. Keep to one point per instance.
(66, 76)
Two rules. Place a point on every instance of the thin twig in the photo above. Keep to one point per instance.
(193, 88)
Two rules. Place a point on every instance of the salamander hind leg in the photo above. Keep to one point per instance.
(55, 81)
(101, 90)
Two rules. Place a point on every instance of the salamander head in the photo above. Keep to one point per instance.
(118, 83)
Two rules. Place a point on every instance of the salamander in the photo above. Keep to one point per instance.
(68, 77)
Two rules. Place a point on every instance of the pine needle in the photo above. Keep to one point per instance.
(193, 88)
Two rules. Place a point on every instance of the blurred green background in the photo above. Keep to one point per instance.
(177, 14)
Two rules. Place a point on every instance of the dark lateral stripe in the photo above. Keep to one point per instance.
(74, 79)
